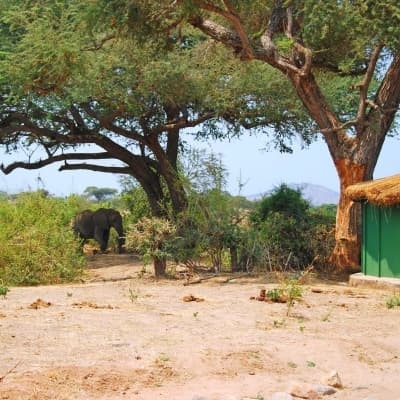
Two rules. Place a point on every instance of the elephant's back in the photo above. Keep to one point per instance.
(83, 224)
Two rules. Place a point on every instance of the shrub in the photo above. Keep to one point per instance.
(150, 237)
(289, 233)
(214, 230)
(393, 301)
(38, 246)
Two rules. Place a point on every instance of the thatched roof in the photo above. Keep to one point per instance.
(381, 192)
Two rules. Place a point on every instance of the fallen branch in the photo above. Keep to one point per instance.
(9, 371)
(231, 278)
(199, 280)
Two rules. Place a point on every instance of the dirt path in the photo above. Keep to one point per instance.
(119, 336)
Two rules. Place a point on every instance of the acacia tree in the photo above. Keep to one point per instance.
(64, 86)
(72, 76)
(59, 107)
(100, 194)
(342, 58)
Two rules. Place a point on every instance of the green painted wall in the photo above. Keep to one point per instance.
(380, 254)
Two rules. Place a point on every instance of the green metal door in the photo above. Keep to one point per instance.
(381, 241)
(390, 242)
(370, 240)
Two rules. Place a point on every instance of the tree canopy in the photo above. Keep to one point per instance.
(73, 74)
(100, 194)
(341, 59)
(128, 77)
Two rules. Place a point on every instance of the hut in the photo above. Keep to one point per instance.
(380, 249)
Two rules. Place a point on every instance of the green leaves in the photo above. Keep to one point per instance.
(38, 246)
(46, 46)
(343, 33)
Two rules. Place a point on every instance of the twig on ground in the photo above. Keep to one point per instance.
(9, 371)
(231, 278)
(199, 280)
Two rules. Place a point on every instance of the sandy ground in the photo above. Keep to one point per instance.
(120, 335)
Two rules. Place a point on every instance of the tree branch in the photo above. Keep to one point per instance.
(53, 159)
(364, 86)
(307, 53)
(100, 43)
(232, 16)
(182, 123)
(106, 122)
(25, 125)
(342, 127)
(388, 95)
(218, 32)
(76, 115)
(97, 168)
(18, 122)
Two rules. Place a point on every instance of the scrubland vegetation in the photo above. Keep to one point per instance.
(280, 232)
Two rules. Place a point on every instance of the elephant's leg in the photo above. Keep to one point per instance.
(101, 236)
(106, 236)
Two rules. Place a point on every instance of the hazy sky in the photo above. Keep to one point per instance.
(260, 170)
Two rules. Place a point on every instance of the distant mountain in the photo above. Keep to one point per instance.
(315, 194)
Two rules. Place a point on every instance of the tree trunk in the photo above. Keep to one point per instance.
(151, 185)
(235, 267)
(160, 265)
(355, 155)
(347, 251)
(171, 177)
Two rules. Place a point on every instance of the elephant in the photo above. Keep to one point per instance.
(97, 224)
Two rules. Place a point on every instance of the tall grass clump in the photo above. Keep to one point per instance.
(37, 245)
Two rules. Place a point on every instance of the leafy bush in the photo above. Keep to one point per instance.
(133, 198)
(3, 290)
(38, 245)
(212, 230)
(150, 237)
(284, 200)
(289, 233)
(393, 301)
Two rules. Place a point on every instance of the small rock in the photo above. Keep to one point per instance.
(39, 303)
(192, 298)
(333, 379)
(281, 396)
(324, 390)
(303, 390)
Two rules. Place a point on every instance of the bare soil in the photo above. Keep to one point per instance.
(121, 334)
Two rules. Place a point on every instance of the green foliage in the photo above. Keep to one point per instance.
(204, 172)
(293, 291)
(46, 40)
(212, 225)
(188, 77)
(283, 223)
(133, 295)
(3, 290)
(133, 199)
(274, 294)
(289, 233)
(342, 33)
(150, 237)
(289, 202)
(38, 246)
(289, 291)
(214, 216)
(393, 301)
